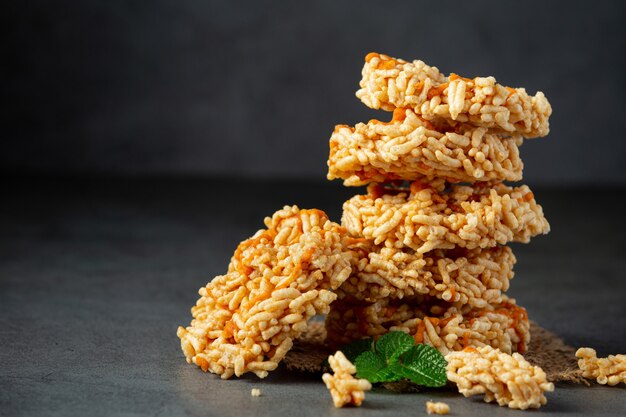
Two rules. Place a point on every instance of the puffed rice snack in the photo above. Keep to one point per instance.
(411, 148)
(507, 379)
(610, 370)
(390, 83)
(343, 387)
(426, 217)
(246, 320)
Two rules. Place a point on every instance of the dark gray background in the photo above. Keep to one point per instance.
(253, 89)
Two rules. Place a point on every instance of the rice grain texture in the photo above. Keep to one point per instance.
(610, 370)
(344, 388)
(427, 217)
(411, 148)
(507, 379)
(246, 320)
(388, 83)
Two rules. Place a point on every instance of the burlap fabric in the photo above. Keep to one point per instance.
(546, 350)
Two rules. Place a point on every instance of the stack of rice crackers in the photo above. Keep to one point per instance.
(423, 251)
(436, 218)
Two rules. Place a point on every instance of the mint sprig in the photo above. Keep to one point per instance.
(395, 356)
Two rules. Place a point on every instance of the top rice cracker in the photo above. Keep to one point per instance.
(389, 83)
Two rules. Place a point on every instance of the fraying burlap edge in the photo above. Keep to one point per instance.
(546, 350)
(554, 356)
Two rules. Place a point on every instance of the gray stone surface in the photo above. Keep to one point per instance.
(95, 276)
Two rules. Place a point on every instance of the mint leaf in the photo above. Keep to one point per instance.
(373, 367)
(393, 344)
(424, 365)
(394, 357)
(354, 349)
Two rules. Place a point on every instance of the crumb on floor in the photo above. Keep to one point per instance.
(437, 408)
(255, 392)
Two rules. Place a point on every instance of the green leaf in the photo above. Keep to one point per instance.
(393, 344)
(354, 349)
(424, 365)
(394, 357)
(373, 367)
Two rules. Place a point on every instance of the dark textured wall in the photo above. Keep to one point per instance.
(255, 88)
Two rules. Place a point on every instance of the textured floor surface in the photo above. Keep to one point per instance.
(95, 276)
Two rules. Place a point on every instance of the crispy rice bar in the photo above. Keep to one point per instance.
(343, 387)
(246, 320)
(390, 83)
(610, 370)
(410, 148)
(508, 379)
(424, 217)
(447, 328)
(476, 277)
